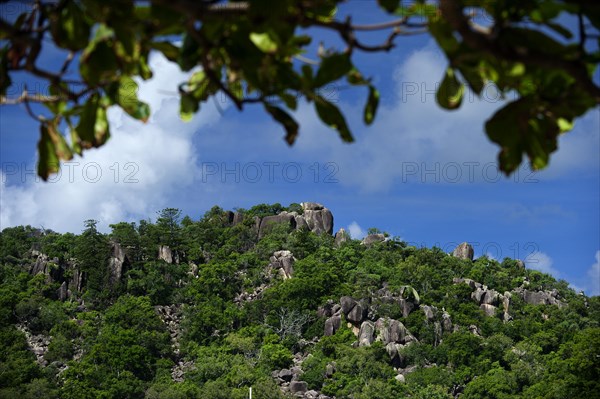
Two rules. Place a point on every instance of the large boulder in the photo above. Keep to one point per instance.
(318, 218)
(372, 239)
(165, 253)
(489, 310)
(463, 251)
(267, 223)
(333, 324)
(284, 262)
(297, 387)
(357, 314)
(366, 336)
(541, 297)
(116, 263)
(341, 237)
(390, 330)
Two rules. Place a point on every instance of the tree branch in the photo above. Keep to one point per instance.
(453, 13)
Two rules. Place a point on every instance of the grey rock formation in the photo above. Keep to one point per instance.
(298, 387)
(366, 336)
(463, 251)
(390, 330)
(490, 310)
(283, 261)
(429, 312)
(116, 263)
(357, 314)
(372, 239)
(165, 253)
(318, 218)
(341, 237)
(62, 292)
(446, 321)
(332, 324)
(347, 304)
(267, 223)
(540, 297)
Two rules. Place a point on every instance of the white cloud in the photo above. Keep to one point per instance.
(592, 286)
(140, 170)
(356, 232)
(542, 262)
(414, 140)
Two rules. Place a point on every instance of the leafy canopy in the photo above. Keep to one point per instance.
(252, 52)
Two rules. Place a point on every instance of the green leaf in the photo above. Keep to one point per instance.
(290, 101)
(189, 55)
(264, 42)
(332, 117)
(371, 105)
(332, 68)
(565, 125)
(98, 65)
(48, 162)
(61, 147)
(188, 106)
(450, 93)
(168, 49)
(93, 129)
(290, 125)
(69, 27)
(124, 93)
(389, 5)
(443, 35)
(354, 77)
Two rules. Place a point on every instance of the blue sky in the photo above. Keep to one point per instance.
(420, 173)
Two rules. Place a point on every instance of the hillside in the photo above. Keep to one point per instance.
(270, 299)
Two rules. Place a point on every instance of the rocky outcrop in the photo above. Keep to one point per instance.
(463, 251)
(165, 253)
(269, 222)
(37, 343)
(540, 297)
(366, 335)
(318, 218)
(341, 237)
(283, 262)
(117, 263)
(490, 300)
(372, 239)
(171, 315)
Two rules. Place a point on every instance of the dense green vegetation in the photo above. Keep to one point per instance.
(110, 336)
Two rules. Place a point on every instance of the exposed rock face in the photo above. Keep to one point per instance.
(267, 223)
(117, 263)
(62, 292)
(284, 262)
(366, 336)
(341, 237)
(298, 387)
(490, 310)
(315, 217)
(171, 316)
(463, 251)
(390, 330)
(165, 253)
(318, 218)
(540, 297)
(372, 239)
(38, 344)
(332, 324)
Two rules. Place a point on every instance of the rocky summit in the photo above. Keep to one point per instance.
(269, 300)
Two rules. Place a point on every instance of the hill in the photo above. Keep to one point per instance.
(268, 300)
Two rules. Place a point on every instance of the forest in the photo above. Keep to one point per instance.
(268, 300)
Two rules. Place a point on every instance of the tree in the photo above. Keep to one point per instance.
(255, 48)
